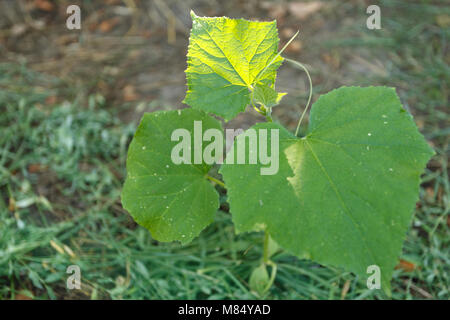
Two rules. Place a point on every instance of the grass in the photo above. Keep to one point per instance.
(62, 166)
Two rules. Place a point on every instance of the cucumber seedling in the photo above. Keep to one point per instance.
(342, 195)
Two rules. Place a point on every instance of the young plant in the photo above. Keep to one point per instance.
(343, 194)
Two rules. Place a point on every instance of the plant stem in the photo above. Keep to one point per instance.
(272, 275)
(266, 260)
(217, 181)
(266, 247)
(298, 64)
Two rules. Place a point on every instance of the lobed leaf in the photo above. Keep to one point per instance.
(225, 59)
(345, 193)
(175, 202)
(267, 96)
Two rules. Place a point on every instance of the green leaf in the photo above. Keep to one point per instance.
(267, 96)
(272, 247)
(344, 194)
(173, 201)
(225, 56)
(259, 279)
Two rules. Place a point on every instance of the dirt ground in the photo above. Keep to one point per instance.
(134, 51)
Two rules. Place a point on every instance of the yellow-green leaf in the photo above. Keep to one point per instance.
(225, 58)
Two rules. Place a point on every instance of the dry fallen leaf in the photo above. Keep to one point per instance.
(19, 296)
(429, 196)
(345, 289)
(56, 247)
(302, 10)
(287, 33)
(420, 122)
(294, 47)
(274, 10)
(44, 5)
(69, 251)
(51, 100)
(406, 266)
(36, 167)
(332, 60)
(129, 93)
(12, 205)
(18, 29)
(108, 25)
(93, 26)
(440, 194)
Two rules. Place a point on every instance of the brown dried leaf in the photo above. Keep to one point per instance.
(294, 47)
(129, 93)
(429, 196)
(108, 25)
(19, 296)
(345, 289)
(36, 167)
(332, 60)
(406, 266)
(302, 10)
(12, 205)
(51, 100)
(18, 29)
(274, 10)
(44, 5)
(287, 33)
